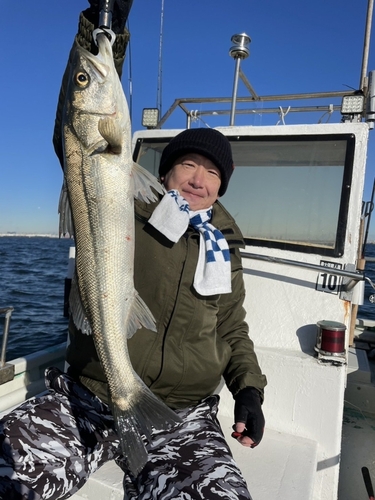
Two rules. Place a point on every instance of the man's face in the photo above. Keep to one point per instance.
(196, 178)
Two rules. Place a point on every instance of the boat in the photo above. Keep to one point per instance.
(297, 195)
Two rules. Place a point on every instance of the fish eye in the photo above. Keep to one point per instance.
(82, 79)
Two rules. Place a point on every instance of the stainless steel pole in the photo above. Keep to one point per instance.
(366, 43)
(234, 94)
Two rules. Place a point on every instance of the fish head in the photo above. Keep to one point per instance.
(94, 93)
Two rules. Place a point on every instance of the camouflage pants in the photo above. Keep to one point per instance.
(51, 444)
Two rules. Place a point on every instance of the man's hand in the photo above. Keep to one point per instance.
(248, 417)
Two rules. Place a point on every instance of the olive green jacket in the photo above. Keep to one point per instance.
(198, 339)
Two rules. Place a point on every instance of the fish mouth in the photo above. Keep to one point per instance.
(101, 61)
(104, 55)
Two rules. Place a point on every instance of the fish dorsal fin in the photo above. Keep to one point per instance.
(143, 182)
(110, 129)
(140, 315)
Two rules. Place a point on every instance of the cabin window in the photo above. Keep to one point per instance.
(288, 192)
(148, 152)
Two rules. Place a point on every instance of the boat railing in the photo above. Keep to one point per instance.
(352, 277)
(253, 105)
(6, 369)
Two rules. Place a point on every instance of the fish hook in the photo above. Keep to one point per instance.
(106, 31)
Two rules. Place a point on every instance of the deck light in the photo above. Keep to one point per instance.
(352, 104)
(150, 117)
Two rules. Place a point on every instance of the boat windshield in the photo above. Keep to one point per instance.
(288, 192)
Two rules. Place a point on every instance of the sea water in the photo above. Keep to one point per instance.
(33, 271)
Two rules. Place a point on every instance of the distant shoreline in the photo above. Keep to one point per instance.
(31, 235)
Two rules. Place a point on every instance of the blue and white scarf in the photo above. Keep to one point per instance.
(172, 217)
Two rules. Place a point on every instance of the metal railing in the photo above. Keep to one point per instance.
(350, 277)
(353, 275)
(6, 369)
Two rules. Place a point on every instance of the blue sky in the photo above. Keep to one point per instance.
(296, 47)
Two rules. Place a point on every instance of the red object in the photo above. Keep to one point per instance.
(333, 341)
(330, 338)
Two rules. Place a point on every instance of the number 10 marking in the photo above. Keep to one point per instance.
(328, 283)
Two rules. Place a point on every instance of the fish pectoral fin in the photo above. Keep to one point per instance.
(65, 213)
(143, 181)
(140, 315)
(110, 129)
(77, 310)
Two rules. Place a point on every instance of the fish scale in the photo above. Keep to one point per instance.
(101, 181)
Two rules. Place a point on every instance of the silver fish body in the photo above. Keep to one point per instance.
(101, 182)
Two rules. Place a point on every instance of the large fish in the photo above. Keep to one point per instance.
(100, 183)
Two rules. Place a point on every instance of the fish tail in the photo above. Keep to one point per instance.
(146, 413)
(132, 445)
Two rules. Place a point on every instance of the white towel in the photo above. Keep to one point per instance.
(172, 217)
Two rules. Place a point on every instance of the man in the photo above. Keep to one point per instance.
(188, 271)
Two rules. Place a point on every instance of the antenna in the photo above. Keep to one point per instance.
(239, 51)
(159, 89)
(366, 43)
(130, 76)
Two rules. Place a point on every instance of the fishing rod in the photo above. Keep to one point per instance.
(105, 21)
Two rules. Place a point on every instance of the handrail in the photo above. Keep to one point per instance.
(353, 275)
(6, 369)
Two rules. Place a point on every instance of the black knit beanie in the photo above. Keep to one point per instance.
(205, 141)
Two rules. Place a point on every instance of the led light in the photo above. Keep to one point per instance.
(352, 104)
(150, 117)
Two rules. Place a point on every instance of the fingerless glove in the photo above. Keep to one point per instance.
(248, 409)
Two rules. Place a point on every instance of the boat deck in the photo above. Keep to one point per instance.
(358, 431)
(358, 442)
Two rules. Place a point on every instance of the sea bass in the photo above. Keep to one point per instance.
(100, 183)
